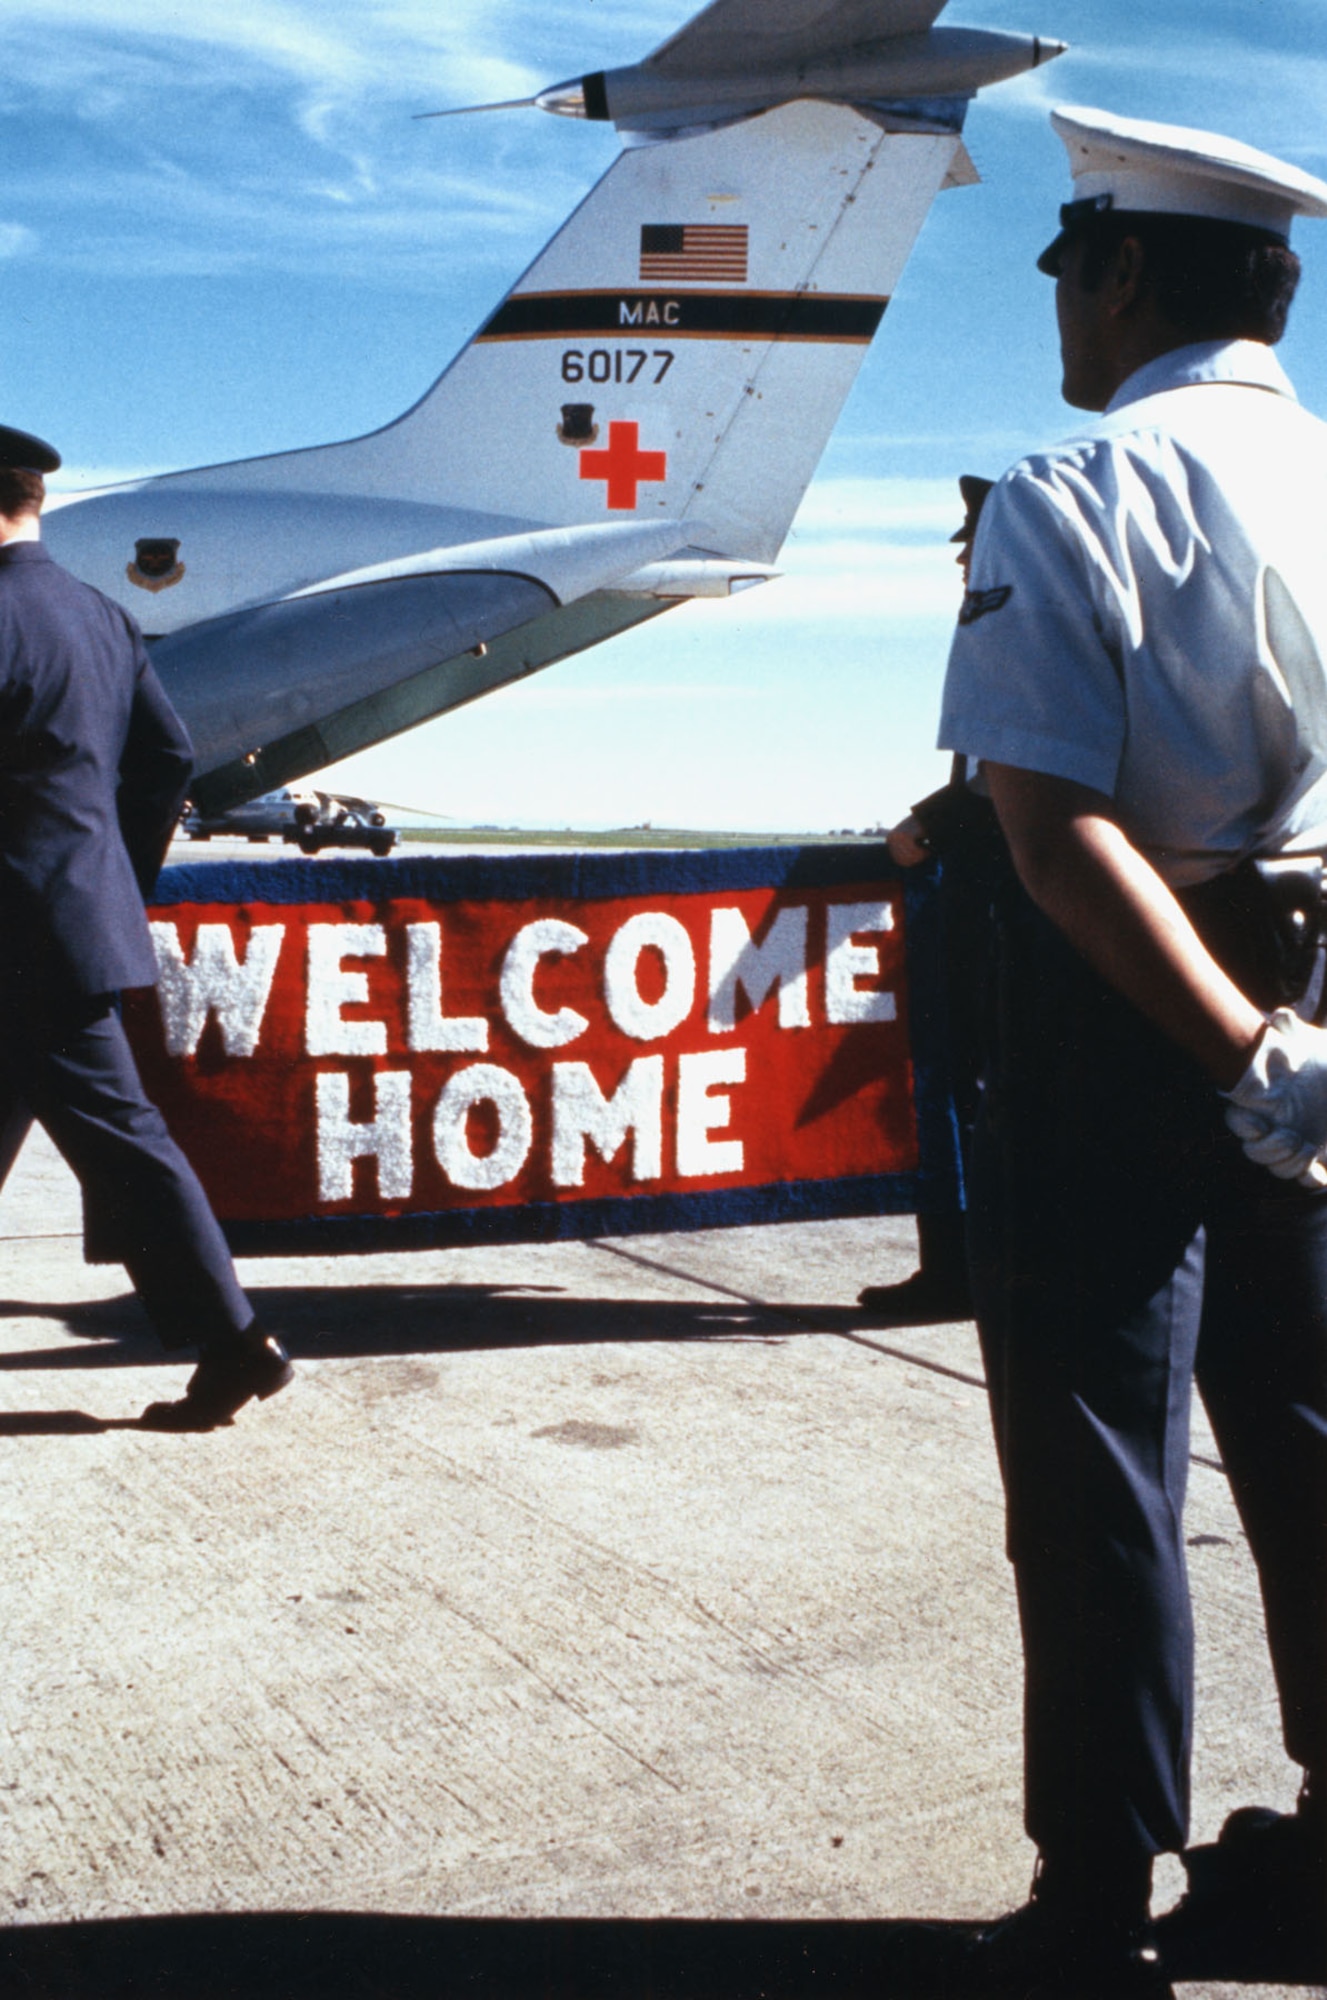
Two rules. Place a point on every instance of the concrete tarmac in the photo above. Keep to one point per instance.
(570, 1586)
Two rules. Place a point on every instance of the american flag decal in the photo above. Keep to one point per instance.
(682, 252)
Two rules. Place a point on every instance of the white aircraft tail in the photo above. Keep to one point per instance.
(680, 350)
(636, 423)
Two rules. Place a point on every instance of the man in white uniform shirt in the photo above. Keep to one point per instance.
(1139, 668)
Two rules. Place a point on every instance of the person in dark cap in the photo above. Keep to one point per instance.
(21, 452)
(954, 827)
(1141, 668)
(94, 764)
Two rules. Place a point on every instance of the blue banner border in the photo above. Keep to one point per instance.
(935, 1187)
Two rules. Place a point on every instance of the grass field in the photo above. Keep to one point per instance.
(627, 836)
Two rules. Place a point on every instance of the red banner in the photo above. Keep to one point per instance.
(404, 1055)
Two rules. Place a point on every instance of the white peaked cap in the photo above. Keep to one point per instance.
(1174, 170)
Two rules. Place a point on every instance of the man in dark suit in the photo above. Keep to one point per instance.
(94, 764)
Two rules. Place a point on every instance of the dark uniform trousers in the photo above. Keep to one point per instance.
(66, 1061)
(1123, 1246)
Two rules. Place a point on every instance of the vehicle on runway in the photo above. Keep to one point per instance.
(307, 819)
(634, 425)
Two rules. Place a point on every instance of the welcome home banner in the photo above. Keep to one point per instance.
(386, 1054)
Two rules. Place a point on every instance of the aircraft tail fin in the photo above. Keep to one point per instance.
(682, 347)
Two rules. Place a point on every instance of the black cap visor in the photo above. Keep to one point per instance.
(1074, 216)
(21, 452)
(974, 490)
(1051, 260)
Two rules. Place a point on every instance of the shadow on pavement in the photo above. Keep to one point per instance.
(288, 1956)
(59, 1423)
(361, 1320)
(347, 1956)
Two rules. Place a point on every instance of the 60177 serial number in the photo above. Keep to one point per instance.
(617, 364)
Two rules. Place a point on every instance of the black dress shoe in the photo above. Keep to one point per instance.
(1257, 1898)
(1053, 1950)
(921, 1300)
(226, 1378)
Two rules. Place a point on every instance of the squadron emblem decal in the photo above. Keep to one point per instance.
(578, 426)
(978, 603)
(155, 565)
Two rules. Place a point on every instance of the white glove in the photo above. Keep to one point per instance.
(1278, 1109)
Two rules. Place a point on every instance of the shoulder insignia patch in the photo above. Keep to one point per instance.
(978, 602)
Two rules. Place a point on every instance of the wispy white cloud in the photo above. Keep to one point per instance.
(470, 48)
(287, 39)
(851, 582)
(863, 550)
(997, 447)
(155, 217)
(1268, 94)
(230, 136)
(883, 506)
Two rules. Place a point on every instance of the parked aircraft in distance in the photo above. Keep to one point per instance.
(634, 425)
(301, 817)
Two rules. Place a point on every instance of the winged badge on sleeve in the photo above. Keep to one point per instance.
(978, 602)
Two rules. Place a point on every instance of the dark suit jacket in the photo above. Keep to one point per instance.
(94, 766)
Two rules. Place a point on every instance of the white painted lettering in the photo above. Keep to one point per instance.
(547, 937)
(427, 1026)
(581, 1112)
(699, 1113)
(647, 1021)
(215, 981)
(672, 313)
(331, 988)
(737, 962)
(385, 1138)
(630, 315)
(482, 1083)
(845, 963)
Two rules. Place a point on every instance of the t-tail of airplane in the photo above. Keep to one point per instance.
(681, 349)
(636, 422)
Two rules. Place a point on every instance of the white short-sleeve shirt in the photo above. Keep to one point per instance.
(1148, 614)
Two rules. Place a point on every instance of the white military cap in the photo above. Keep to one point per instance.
(1141, 167)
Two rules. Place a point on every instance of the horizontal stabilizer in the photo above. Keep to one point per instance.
(568, 562)
(939, 66)
(724, 35)
(692, 574)
(741, 56)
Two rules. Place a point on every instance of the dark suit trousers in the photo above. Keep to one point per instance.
(71, 1066)
(1123, 1247)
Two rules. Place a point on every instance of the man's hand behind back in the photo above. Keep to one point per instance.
(1278, 1109)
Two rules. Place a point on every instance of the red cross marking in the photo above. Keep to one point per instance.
(624, 465)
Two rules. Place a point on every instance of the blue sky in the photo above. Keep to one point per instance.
(221, 233)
